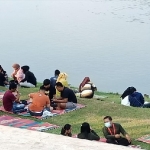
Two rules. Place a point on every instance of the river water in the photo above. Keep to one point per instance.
(107, 40)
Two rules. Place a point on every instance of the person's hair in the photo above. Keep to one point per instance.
(1, 68)
(59, 84)
(132, 89)
(17, 66)
(12, 86)
(128, 91)
(63, 76)
(108, 117)
(46, 82)
(25, 68)
(85, 127)
(57, 72)
(66, 127)
(42, 88)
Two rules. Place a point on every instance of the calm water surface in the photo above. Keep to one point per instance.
(107, 40)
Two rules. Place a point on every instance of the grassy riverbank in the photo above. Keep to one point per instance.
(135, 120)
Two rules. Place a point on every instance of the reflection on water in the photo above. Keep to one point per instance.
(107, 40)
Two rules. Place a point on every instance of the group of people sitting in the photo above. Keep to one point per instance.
(113, 132)
(21, 75)
(131, 97)
(56, 94)
(25, 78)
(53, 94)
(44, 99)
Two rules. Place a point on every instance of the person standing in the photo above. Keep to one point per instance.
(112, 132)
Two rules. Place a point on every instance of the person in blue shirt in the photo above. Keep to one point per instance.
(54, 79)
(137, 100)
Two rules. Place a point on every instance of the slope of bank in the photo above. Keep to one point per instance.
(135, 120)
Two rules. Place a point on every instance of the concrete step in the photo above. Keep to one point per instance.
(22, 139)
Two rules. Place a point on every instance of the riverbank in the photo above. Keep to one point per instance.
(134, 120)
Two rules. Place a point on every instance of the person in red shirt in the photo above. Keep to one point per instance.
(11, 102)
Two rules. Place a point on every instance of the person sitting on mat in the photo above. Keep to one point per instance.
(66, 130)
(54, 79)
(87, 133)
(29, 80)
(38, 103)
(11, 101)
(67, 98)
(17, 74)
(86, 89)
(112, 132)
(50, 91)
(85, 80)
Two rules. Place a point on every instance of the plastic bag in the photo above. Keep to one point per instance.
(125, 101)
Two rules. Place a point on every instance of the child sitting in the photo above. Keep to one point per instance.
(66, 130)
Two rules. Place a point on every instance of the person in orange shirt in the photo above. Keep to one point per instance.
(38, 103)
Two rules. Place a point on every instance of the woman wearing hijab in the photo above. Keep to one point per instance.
(62, 78)
(87, 133)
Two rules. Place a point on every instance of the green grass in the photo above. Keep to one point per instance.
(136, 121)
